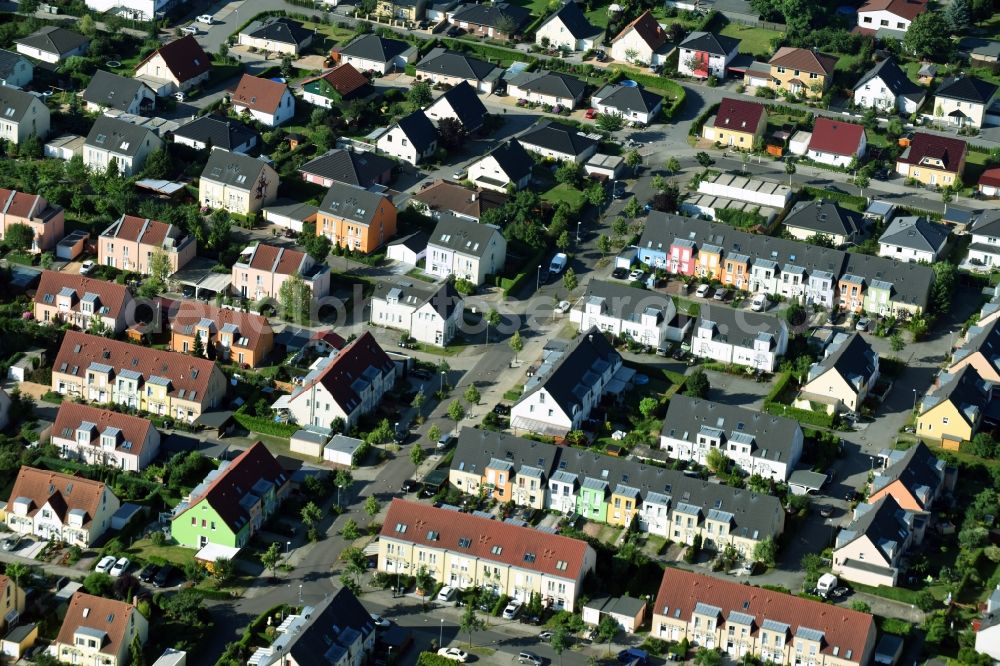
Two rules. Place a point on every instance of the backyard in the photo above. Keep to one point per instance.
(755, 41)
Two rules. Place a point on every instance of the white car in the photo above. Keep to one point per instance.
(454, 654)
(104, 566)
(563, 306)
(512, 609)
(380, 621)
(635, 275)
(87, 267)
(703, 290)
(121, 566)
(206, 18)
(179, 96)
(190, 30)
(447, 592)
(759, 303)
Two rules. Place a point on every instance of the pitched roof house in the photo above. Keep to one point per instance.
(428, 313)
(545, 87)
(348, 167)
(52, 44)
(466, 249)
(451, 67)
(914, 478)
(269, 102)
(559, 142)
(844, 376)
(98, 630)
(100, 436)
(357, 219)
(507, 164)
(499, 20)
(130, 244)
(529, 465)
(461, 103)
(755, 340)
(217, 133)
(176, 66)
(886, 87)
(46, 220)
(568, 28)
(277, 35)
(112, 140)
(889, 18)
(643, 41)
(412, 139)
(16, 71)
(836, 142)
(963, 100)
(738, 123)
(647, 317)
(869, 549)
(913, 238)
(76, 299)
(23, 114)
(981, 350)
(336, 86)
(236, 182)
(823, 218)
(241, 337)
(446, 197)
(801, 71)
(932, 159)
(952, 412)
(120, 93)
(704, 54)
(375, 53)
(262, 269)
(633, 102)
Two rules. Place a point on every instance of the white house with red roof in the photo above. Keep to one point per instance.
(465, 551)
(100, 436)
(178, 66)
(641, 42)
(269, 102)
(836, 143)
(61, 507)
(889, 16)
(96, 630)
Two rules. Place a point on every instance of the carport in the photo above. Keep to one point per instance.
(198, 274)
(805, 482)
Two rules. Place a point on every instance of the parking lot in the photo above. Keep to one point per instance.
(28, 547)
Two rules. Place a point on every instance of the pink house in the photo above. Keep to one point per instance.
(681, 260)
(262, 269)
(34, 211)
(129, 243)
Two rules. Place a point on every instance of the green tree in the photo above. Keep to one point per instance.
(896, 342)
(984, 446)
(86, 26)
(559, 641)
(198, 348)
(434, 433)
(270, 559)
(569, 173)
(958, 15)
(318, 246)
(98, 584)
(310, 515)
(16, 571)
(607, 629)
(790, 169)
(697, 384)
(562, 241)
(704, 159)
(633, 160)
(928, 36)
(159, 267)
(766, 552)
(416, 456)
(350, 530)
(716, 461)
(218, 232)
(604, 245)
(424, 581)
(223, 570)
(472, 395)
(418, 400)
(516, 344)
(943, 287)
(295, 298)
(372, 506)
(158, 165)
(456, 412)
(633, 208)
(569, 279)
(19, 237)
(136, 658)
(706, 657)
(610, 122)
(619, 227)
(673, 166)
(419, 95)
(595, 194)
(647, 406)
(470, 623)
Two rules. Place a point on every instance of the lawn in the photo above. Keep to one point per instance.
(145, 550)
(335, 35)
(755, 41)
(567, 193)
(598, 17)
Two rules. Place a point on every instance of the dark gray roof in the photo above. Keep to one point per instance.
(853, 359)
(477, 447)
(558, 137)
(918, 470)
(773, 435)
(710, 43)
(451, 63)
(740, 327)
(462, 236)
(988, 223)
(292, 209)
(980, 46)
(334, 626)
(14, 103)
(894, 78)
(884, 523)
(52, 39)
(967, 89)
(493, 15)
(375, 47)
(352, 203)
(628, 98)
(219, 131)
(555, 84)
(984, 340)
(442, 296)
(117, 136)
(627, 606)
(419, 130)
(282, 30)
(575, 21)
(915, 232)
(965, 389)
(626, 302)
(466, 104)
(347, 166)
(8, 61)
(583, 361)
(233, 169)
(824, 217)
(513, 159)
(417, 241)
(112, 90)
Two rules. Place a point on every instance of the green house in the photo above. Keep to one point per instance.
(592, 501)
(340, 84)
(878, 298)
(231, 504)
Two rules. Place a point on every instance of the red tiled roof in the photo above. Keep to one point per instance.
(908, 9)
(844, 630)
(187, 374)
(648, 28)
(990, 177)
(259, 94)
(184, 58)
(280, 260)
(739, 115)
(25, 205)
(950, 151)
(347, 367)
(62, 492)
(331, 338)
(72, 414)
(235, 481)
(804, 60)
(183, 315)
(139, 229)
(107, 615)
(112, 295)
(344, 78)
(835, 136)
(485, 536)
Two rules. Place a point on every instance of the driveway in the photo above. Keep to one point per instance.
(736, 389)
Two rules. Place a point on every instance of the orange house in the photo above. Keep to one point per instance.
(356, 219)
(737, 271)
(852, 292)
(914, 478)
(498, 479)
(240, 337)
(709, 262)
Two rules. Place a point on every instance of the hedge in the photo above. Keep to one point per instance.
(806, 416)
(530, 266)
(780, 382)
(264, 426)
(431, 659)
(699, 122)
(487, 50)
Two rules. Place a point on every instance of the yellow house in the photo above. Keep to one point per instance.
(709, 264)
(801, 71)
(843, 378)
(932, 159)
(624, 505)
(738, 124)
(408, 10)
(952, 413)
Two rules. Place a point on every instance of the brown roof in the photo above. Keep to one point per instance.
(949, 151)
(107, 615)
(259, 94)
(447, 196)
(25, 205)
(845, 631)
(648, 28)
(141, 230)
(189, 376)
(739, 115)
(344, 369)
(837, 137)
(280, 260)
(111, 295)
(183, 315)
(134, 429)
(184, 58)
(492, 540)
(224, 494)
(908, 9)
(804, 60)
(64, 493)
(344, 78)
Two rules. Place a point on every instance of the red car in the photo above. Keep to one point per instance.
(590, 114)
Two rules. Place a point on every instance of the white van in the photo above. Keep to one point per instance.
(759, 303)
(446, 593)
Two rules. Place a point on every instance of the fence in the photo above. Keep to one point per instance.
(753, 22)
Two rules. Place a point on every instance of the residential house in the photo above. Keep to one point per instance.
(345, 385)
(229, 506)
(137, 10)
(465, 551)
(647, 317)
(4, 408)
(373, 53)
(409, 249)
(130, 243)
(336, 87)
(870, 549)
(627, 611)
(177, 66)
(842, 379)
(987, 634)
(428, 313)
(24, 116)
(632, 102)
(276, 35)
(104, 437)
(836, 143)
(107, 91)
(96, 369)
(737, 337)
(801, 71)
(704, 54)
(952, 411)
(52, 44)
(821, 217)
(963, 100)
(981, 349)
(499, 20)
(233, 335)
(16, 71)
(444, 67)
(989, 182)
(356, 219)
(96, 630)
(460, 103)
(558, 142)
(113, 141)
(46, 221)
(237, 183)
(71, 298)
(914, 478)
(885, 87)
(641, 42)
(507, 165)
(262, 269)
(568, 30)
(269, 102)
(503, 467)
(217, 133)
(544, 87)
(60, 507)
(931, 159)
(979, 50)
(443, 197)
(737, 124)
(569, 383)
(465, 249)
(12, 605)
(348, 167)
(756, 442)
(412, 139)
(407, 10)
(913, 238)
(741, 620)
(890, 18)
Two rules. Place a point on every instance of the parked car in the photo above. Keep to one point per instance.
(600, 56)
(563, 306)
(165, 576)
(148, 572)
(634, 655)
(447, 593)
(454, 31)
(206, 18)
(863, 324)
(721, 295)
(619, 190)
(512, 609)
(409, 486)
(446, 441)
(120, 567)
(454, 654)
(529, 658)
(501, 409)
(662, 350)
(590, 114)
(545, 635)
(105, 565)
(635, 275)
(759, 303)
(619, 273)
(421, 373)
(380, 621)
(87, 267)
(703, 290)
(190, 30)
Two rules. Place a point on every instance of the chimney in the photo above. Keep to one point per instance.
(135, 600)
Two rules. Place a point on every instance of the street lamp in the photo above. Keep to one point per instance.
(914, 400)
(288, 546)
(443, 373)
(300, 594)
(578, 223)
(441, 636)
(538, 277)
